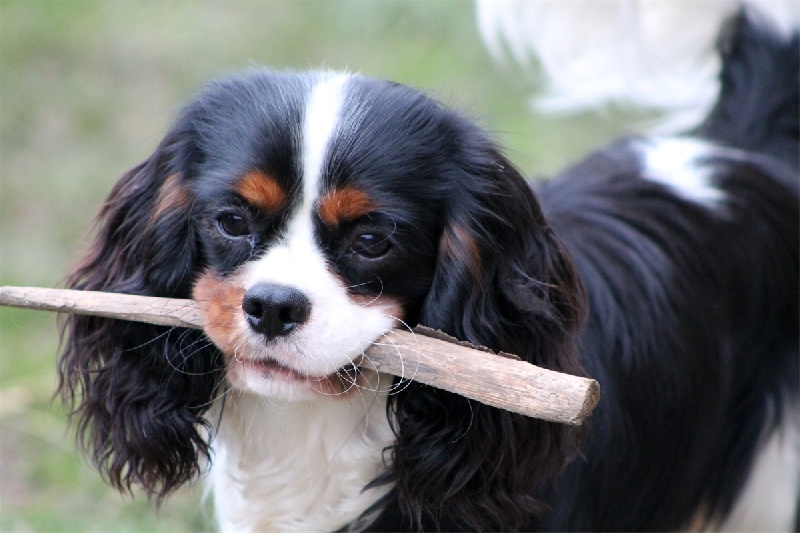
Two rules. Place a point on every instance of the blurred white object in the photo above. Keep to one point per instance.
(652, 54)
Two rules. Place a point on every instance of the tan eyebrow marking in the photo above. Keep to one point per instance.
(262, 191)
(343, 205)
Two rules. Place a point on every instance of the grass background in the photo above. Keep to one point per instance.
(87, 88)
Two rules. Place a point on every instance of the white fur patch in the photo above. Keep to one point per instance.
(320, 120)
(769, 499)
(677, 162)
(654, 54)
(298, 466)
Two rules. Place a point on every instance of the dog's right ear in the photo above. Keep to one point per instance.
(137, 391)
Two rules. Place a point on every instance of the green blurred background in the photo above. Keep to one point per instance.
(86, 90)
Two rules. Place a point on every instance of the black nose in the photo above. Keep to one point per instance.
(275, 310)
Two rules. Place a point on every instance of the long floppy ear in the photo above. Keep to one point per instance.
(505, 281)
(137, 391)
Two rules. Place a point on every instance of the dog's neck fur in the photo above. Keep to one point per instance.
(297, 466)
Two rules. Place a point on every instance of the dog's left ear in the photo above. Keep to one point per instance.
(502, 280)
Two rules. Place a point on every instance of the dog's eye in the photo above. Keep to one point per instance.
(233, 225)
(370, 245)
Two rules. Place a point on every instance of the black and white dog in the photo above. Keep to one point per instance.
(312, 212)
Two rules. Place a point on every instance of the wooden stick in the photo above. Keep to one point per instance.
(422, 355)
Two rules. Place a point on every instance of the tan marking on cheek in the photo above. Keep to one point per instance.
(220, 301)
(173, 196)
(261, 191)
(344, 205)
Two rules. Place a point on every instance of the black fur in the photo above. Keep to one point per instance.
(139, 391)
(502, 280)
(693, 337)
(686, 313)
(759, 117)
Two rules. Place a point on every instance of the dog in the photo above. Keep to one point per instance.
(309, 213)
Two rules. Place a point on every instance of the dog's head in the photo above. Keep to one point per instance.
(311, 213)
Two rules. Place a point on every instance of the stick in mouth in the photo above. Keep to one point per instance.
(424, 355)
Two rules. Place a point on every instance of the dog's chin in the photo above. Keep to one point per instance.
(269, 378)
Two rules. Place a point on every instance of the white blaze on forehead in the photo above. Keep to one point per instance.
(296, 259)
(321, 117)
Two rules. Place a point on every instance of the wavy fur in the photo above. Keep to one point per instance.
(666, 268)
(139, 391)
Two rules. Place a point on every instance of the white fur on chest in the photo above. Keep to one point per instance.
(298, 466)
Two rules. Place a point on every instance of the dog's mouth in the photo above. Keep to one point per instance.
(274, 368)
(341, 381)
(271, 367)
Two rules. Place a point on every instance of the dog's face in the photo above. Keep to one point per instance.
(309, 214)
(310, 217)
